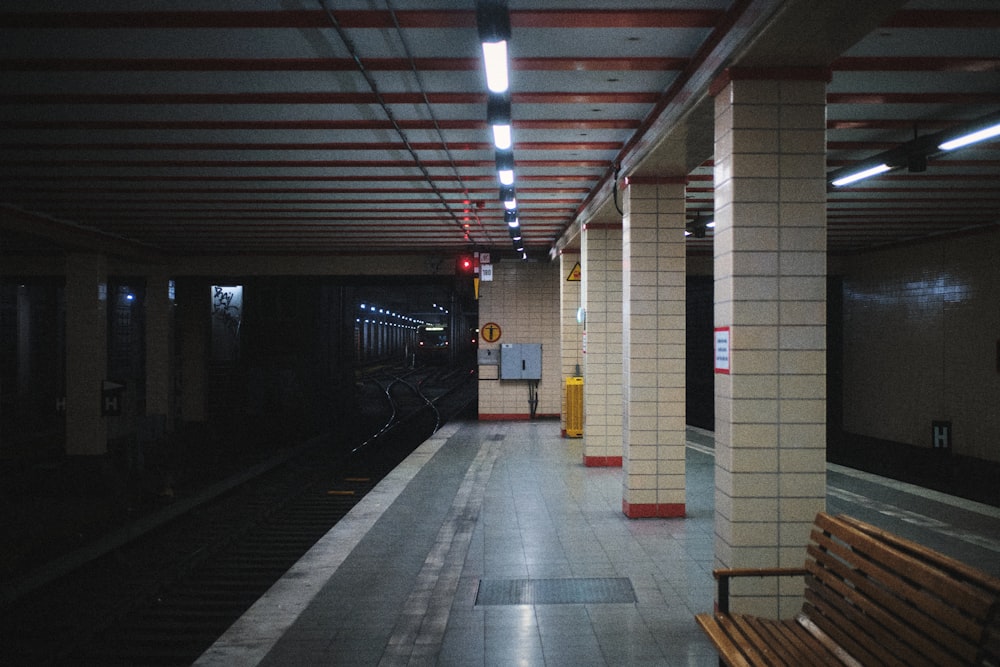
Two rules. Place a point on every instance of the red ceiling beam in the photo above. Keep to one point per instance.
(944, 97)
(283, 98)
(915, 64)
(563, 18)
(615, 18)
(353, 164)
(304, 146)
(286, 98)
(944, 18)
(192, 125)
(330, 64)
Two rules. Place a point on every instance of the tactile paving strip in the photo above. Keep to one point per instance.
(610, 590)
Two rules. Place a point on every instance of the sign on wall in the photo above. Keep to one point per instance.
(112, 398)
(722, 350)
(490, 332)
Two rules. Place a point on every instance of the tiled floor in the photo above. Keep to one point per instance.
(545, 515)
(396, 583)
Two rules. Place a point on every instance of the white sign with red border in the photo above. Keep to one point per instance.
(722, 349)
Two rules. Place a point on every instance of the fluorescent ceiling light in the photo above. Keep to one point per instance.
(860, 175)
(510, 204)
(506, 176)
(971, 138)
(495, 59)
(502, 137)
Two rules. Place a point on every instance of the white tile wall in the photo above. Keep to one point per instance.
(524, 299)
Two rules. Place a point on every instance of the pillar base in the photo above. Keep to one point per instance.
(602, 461)
(654, 510)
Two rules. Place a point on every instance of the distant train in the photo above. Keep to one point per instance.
(433, 344)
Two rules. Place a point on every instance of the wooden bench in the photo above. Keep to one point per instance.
(871, 598)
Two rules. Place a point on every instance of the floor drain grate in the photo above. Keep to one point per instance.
(555, 591)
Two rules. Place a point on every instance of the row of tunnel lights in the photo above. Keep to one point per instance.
(493, 22)
(384, 316)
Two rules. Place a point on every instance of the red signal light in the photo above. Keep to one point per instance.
(466, 265)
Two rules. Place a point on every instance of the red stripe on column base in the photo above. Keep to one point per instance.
(653, 510)
(602, 461)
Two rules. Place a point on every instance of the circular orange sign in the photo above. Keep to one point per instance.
(490, 332)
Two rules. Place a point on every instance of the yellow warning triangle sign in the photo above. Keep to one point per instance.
(574, 273)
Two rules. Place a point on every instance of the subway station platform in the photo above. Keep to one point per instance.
(493, 545)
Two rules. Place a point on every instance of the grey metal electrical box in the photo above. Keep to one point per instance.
(489, 356)
(521, 361)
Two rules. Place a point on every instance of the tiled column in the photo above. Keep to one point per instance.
(570, 331)
(86, 353)
(159, 350)
(601, 246)
(770, 291)
(194, 308)
(653, 348)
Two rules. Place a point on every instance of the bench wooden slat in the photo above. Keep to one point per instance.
(794, 641)
(750, 628)
(875, 613)
(826, 642)
(798, 645)
(871, 598)
(930, 574)
(931, 610)
(904, 613)
(827, 614)
(731, 650)
(957, 569)
(878, 611)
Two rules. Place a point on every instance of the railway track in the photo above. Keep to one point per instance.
(163, 599)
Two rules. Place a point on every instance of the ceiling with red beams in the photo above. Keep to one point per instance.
(209, 127)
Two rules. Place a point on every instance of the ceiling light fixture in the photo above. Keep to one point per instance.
(913, 154)
(860, 175)
(495, 59)
(498, 116)
(503, 139)
(505, 167)
(493, 21)
(971, 138)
